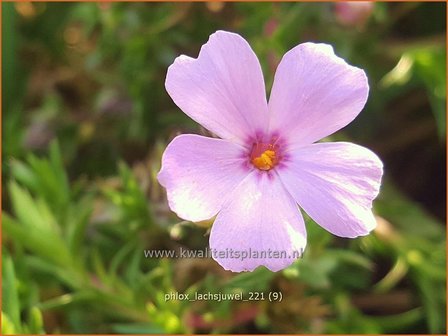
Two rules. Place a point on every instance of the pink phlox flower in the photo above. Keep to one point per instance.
(266, 162)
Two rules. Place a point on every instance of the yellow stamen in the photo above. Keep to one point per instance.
(265, 161)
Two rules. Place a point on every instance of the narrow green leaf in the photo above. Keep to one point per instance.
(11, 304)
(7, 326)
(43, 243)
(35, 321)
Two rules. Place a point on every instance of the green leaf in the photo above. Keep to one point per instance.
(11, 304)
(430, 66)
(8, 327)
(77, 218)
(399, 322)
(60, 175)
(393, 277)
(427, 65)
(120, 257)
(52, 186)
(35, 215)
(407, 216)
(43, 243)
(433, 304)
(316, 271)
(24, 175)
(258, 280)
(133, 271)
(60, 272)
(350, 257)
(35, 321)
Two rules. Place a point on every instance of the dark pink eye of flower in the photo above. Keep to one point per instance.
(267, 163)
(266, 154)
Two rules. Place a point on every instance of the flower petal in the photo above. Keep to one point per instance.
(335, 183)
(260, 216)
(315, 93)
(199, 172)
(223, 89)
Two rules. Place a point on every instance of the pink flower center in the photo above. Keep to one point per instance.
(264, 156)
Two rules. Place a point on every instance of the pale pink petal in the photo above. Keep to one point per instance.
(199, 173)
(315, 93)
(259, 216)
(335, 183)
(223, 89)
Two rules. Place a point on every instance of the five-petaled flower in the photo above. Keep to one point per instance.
(266, 161)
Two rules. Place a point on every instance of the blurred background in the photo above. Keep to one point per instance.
(85, 118)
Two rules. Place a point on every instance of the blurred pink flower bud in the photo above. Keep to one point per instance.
(270, 27)
(353, 13)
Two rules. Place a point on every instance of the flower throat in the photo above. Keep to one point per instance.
(264, 156)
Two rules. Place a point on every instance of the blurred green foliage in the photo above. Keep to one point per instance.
(86, 118)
